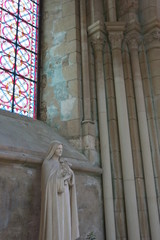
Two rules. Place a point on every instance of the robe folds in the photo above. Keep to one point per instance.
(59, 217)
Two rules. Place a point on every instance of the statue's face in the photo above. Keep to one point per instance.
(59, 151)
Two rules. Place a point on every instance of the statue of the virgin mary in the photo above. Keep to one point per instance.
(59, 218)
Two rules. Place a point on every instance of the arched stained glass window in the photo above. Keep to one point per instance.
(18, 56)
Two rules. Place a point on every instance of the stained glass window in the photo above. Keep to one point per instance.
(18, 56)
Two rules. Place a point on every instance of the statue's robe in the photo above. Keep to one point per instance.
(59, 218)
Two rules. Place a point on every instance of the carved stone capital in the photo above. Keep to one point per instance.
(97, 44)
(133, 40)
(115, 34)
(156, 34)
(152, 34)
(97, 35)
(152, 39)
(133, 44)
(115, 39)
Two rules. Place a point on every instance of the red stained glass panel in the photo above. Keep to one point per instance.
(18, 55)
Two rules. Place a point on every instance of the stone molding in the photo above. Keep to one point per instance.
(35, 159)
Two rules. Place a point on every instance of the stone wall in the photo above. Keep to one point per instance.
(23, 146)
(100, 90)
(63, 84)
(60, 50)
(20, 203)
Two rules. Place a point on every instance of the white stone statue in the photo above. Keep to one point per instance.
(59, 217)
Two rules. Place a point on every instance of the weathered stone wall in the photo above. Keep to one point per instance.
(60, 50)
(63, 39)
(23, 145)
(100, 89)
(20, 203)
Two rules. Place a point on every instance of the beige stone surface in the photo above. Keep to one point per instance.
(120, 222)
(66, 23)
(20, 203)
(20, 179)
(90, 206)
(73, 34)
(25, 135)
(74, 57)
(116, 164)
(68, 8)
(73, 127)
(69, 73)
(113, 128)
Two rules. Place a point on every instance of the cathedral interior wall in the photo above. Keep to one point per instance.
(99, 95)
(24, 143)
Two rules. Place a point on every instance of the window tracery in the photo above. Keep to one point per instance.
(19, 20)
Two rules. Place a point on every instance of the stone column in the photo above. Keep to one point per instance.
(88, 126)
(95, 11)
(150, 110)
(136, 146)
(115, 31)
(111, 10)
(152, 44)
(85, 63)
(97, 37)
(144, 138)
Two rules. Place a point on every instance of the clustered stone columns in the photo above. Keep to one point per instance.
(97, 37)
(144, 137)
(152, 44)
(150, 110)
(115, 32)
(136, 146)
(151, 30)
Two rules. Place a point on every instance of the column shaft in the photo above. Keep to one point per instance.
(152, 45)
(85, 63)
(124, 134)
(104, 145)
(111, 10)
(145, 144)
(97, 39)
